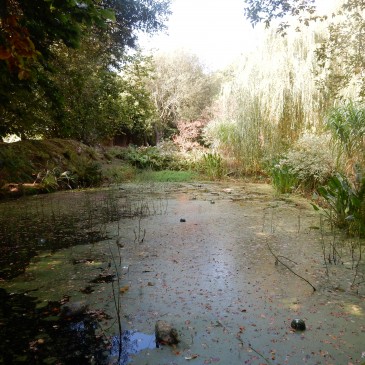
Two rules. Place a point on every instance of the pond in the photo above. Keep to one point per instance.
(86, 275)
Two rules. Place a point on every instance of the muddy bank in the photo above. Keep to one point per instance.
(197, 256)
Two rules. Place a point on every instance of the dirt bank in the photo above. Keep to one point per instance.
(28, 167)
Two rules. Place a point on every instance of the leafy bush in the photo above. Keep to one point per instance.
(162, 157)
(120, 173)
(308, 164)
(88, 174)
(54, 179)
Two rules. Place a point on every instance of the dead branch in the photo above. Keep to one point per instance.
(278, 260)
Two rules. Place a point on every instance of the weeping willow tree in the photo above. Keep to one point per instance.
(271, 98)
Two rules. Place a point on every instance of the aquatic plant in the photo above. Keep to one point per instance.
(212, 165)
(282, 177)
(346, 204)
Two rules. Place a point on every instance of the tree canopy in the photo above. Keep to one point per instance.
(29, 28)
(55, 54)
(265, 11)
(340, 52)
(180, 90)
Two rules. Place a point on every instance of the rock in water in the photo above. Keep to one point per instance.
(298, 324)
(166, 334)
(72, 310)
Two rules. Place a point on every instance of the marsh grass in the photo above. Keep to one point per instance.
(166, 176)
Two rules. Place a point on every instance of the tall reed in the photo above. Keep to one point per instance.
(270, 99)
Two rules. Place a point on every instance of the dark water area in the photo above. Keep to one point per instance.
(33, 331)
(52, 222)
(29, 335)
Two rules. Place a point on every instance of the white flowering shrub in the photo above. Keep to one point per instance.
(311, 160)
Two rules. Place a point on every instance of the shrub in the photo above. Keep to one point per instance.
(162, 157)
(88, 174)
(310, 162)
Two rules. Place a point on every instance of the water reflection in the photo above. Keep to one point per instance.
(131, 343)
(31, 335)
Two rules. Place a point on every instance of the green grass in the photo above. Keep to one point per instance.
(167, 176)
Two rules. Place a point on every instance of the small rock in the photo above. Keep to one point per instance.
(182, 220)
(166, 334)
(298, 324)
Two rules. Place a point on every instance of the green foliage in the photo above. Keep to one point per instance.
(347, 126)
(88, 174)
(311, 160)
(167, 176)
(265, 106)
(54, 179)
(266, 11)
(29, 28)
(340, 55)
(308, 164)
(72, 90)
(282, 177)
(347, 204)
(54, 164)
(212, 165)
(120, 173)
(154, 158)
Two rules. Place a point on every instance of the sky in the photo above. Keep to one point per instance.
(215, 30)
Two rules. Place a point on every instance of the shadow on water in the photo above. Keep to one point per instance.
(41, 336)
(32, 332)
(49, 223)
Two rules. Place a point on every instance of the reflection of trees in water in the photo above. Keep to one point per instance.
(131, 343)
(30, 336)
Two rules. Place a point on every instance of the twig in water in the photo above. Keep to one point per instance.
(249, 345)
(278, 260)
(286, 258)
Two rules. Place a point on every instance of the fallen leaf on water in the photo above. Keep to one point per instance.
(124, 289)
(192, 357)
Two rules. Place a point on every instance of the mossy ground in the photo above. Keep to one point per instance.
(21, 162)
